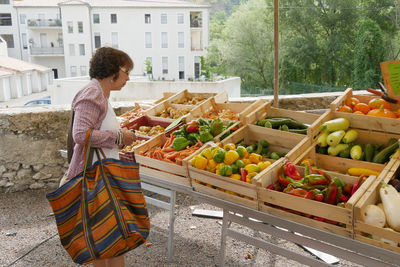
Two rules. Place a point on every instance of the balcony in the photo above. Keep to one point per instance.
(44, 23)
(47, 51)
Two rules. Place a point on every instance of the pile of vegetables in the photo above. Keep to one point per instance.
(284, 124)
(202, 130)
(314, 185)
(230, 161)
(377, 107)
(336, 139)
(169, 154)
(386, 214)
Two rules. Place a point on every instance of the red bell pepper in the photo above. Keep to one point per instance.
(275, 187)
(310, 194)
(193, 127)
(343, 198)
(290, 170)
(307, 168)
(331, 193)
(356, 185)
(348, 188)
(315, 179)
(243, 174)
(319, 197)
(284, 180)
(298, 192)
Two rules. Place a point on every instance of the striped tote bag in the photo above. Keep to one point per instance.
(101, 213)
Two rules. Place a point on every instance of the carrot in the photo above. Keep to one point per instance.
(168, 149)
(172, 155)
(168, 160)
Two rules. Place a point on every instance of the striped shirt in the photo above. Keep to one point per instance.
(90, 106)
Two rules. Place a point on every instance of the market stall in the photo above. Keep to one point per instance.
(303, 177)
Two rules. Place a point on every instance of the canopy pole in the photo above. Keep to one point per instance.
(276, 53)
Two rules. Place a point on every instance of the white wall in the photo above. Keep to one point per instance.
(5, 89)
(13, 29)
(62, 91)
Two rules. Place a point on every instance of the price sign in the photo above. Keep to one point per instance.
(391, 77)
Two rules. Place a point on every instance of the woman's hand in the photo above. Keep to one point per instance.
(129, 137)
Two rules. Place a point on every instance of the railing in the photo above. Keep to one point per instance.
(47, 50)
(44, 23)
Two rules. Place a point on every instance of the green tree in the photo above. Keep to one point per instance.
(245, 46)
(369, 52)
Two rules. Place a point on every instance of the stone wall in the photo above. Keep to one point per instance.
(30, 140)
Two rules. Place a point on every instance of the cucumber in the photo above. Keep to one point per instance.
(284, 128)
(275, 123)
(321, 141)
(336, 125)
(333, 139)
(391, 142)
(356, 152)
(267, 124)
(350, 136)
(335, 150)
(369, 152)
(384, 155)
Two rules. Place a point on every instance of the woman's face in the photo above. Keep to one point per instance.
(122, 79)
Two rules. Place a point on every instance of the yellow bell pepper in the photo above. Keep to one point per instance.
(229, 146)
(263, 165)
(246, 161)
(211, 165)
(252, 168)
(193, 161)
(255, 158)
(311, 161)
(249, 176)
(207, 153)
(235, 176)
(230, 157)
(200, 162)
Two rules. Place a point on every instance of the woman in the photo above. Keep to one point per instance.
(109, 71)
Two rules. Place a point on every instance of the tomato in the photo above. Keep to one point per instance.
(378, 102)
(345, 108)
(351, 102)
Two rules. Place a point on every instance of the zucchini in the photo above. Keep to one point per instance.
(350, 136)
(335, 125)
(335, 150)
(333, 139)
(384, 155)
(369, 152)
(321, 141)
(298, 131)
(356, 152)
(275, 123)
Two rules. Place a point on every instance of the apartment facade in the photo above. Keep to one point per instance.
(165, 39)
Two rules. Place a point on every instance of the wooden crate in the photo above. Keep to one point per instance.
(387, 125)
(130, 155)
(225, 187)
(371, 196)
(266, 110)
(158, 168)
(278, 201)
(136, 112)
(282, 142)
(235, 111)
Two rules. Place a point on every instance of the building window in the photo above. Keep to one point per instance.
(197, 61)
(4, 2)
(73, 71)
(164, 65)
(149, 65)
(70, 27)
(96, 18)
(80, 26)
(83, 70)
(24, 41)
(81, 49)
(164, 19)
(147, 37)
(9, 38)
(71, 49)
(113, 18)
(181, 40)
(97, 40)
(180, 18)
(114, 39)
(164, 40)
(181, 66)
(22, 18)
(147, 18)
(5, 19)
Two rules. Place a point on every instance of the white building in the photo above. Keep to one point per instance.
(171, 34)
(19, 78)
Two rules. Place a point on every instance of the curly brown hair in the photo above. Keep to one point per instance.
(107, 61)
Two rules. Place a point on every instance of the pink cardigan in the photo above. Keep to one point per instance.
(90, 106)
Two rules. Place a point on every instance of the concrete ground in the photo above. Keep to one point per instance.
(29, 237)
